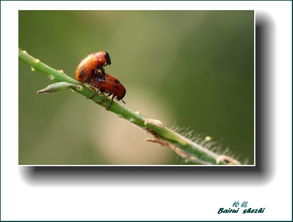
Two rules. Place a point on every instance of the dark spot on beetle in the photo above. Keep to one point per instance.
(100, 78)
(81, 73)
(116, 86)
(97, 79)
(117, 81)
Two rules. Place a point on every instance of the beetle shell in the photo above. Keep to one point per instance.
(92, 65)
(109, 85)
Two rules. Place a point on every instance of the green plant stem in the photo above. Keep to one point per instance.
(163, 135)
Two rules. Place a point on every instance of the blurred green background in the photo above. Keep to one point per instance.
(190, 69)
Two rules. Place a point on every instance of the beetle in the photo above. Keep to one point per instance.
(92, 65)
(91, 71)
(109, 85)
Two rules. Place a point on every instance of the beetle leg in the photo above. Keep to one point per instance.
(103, 72)
(100, 72)
(95, 94)
(105, 97)
(113, 96)
(102, 92)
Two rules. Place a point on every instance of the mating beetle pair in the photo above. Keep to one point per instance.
(91, 71)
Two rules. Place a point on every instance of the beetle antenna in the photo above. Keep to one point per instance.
(123, 101)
